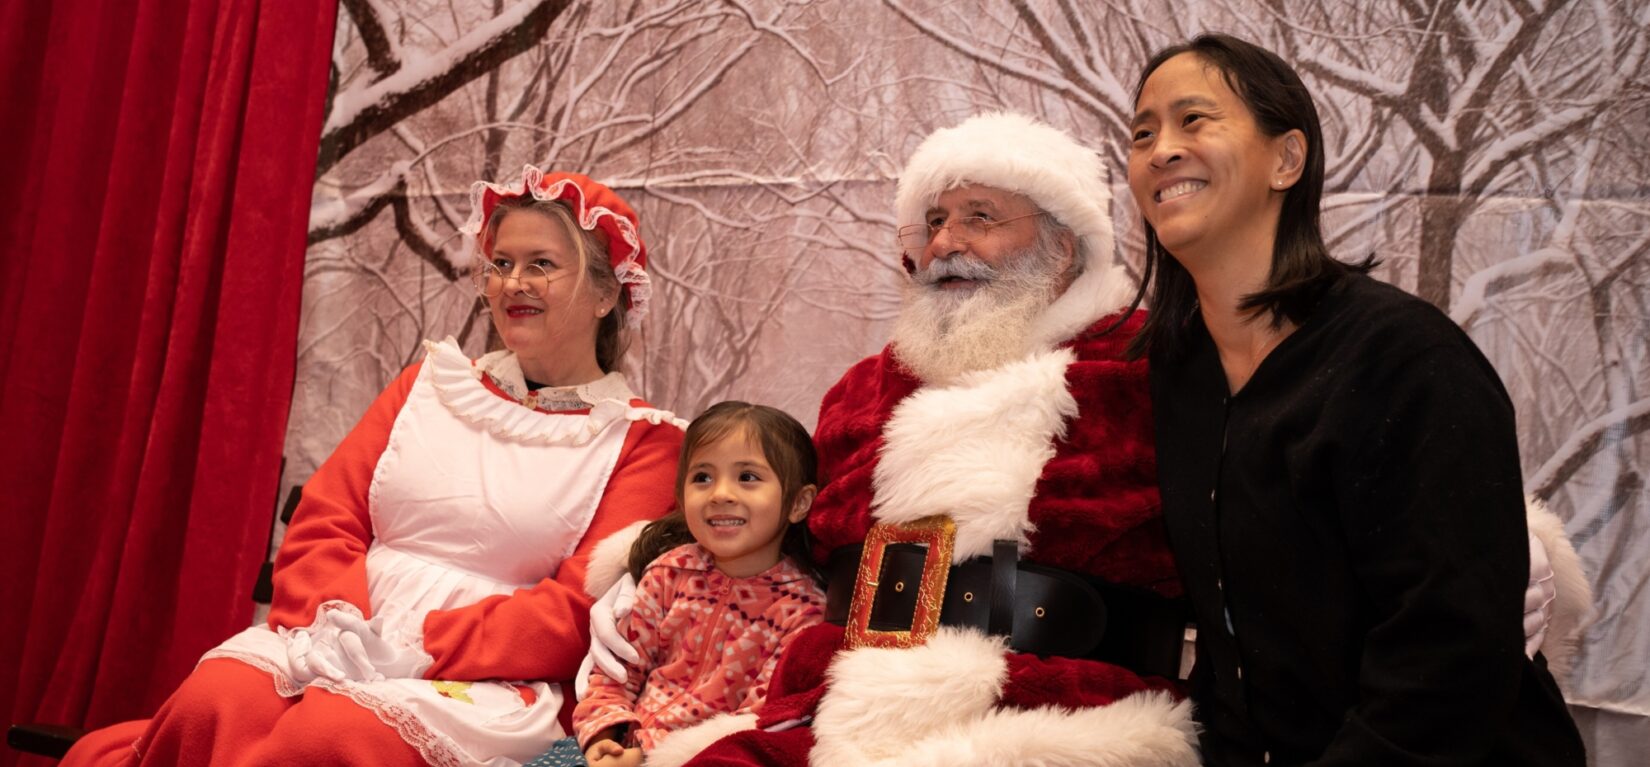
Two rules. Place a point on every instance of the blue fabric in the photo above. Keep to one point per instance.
(562, 753)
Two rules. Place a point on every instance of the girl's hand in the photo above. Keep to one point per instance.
(608, 753)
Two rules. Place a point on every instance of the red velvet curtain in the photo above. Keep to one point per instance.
(154, 199)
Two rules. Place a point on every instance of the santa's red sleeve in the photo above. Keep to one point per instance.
(543, 632)
(324, 554)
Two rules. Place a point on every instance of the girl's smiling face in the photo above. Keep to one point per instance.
(733, 500)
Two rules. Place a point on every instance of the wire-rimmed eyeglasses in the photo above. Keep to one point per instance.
(489, 279)
(963, 230)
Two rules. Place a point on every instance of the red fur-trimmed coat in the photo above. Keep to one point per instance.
(1055, 450)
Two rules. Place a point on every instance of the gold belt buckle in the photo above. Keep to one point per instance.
(939, 532)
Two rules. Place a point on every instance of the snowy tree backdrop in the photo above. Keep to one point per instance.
(1491, 153)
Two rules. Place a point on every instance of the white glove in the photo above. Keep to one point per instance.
(1538, 598)
(311, 653)
(609, 649)
(344, 646)
(365, 648)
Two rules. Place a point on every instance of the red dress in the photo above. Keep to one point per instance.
(464, 522)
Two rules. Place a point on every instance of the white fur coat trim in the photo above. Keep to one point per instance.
(1573, 599)
(937, 704)
(610, 560)
(686, 743)
(974, 450)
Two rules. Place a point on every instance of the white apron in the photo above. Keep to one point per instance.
(474, 496)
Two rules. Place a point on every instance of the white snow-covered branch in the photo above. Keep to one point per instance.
(359, 112)
(349, 103)
(771, 28)
(1074, 61)
(332, 214)
(973, 51)
(383, 52)
(1584, 444)
(1481, 286)
(1350, 77)
(706, 82)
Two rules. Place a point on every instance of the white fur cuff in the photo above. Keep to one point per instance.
(686, 743)
(938, 705)
(610, 560)
(881, 699)
(1573, 602)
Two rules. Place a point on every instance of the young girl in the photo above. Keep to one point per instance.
(723, 585)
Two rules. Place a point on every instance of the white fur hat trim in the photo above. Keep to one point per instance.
(1019, 154)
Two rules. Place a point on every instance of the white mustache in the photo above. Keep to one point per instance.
(962, 267)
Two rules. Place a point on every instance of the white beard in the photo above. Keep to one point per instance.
(941, 334)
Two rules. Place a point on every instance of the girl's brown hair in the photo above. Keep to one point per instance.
(594, 266)
(787, 448)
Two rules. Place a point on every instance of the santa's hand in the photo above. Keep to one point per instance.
(1538, 598)
(609, 649)
(373, 657)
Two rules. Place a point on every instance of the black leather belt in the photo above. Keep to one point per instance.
(1042, 610)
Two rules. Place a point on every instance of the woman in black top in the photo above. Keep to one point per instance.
(1338, 462)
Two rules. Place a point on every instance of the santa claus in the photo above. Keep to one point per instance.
(1001, 588)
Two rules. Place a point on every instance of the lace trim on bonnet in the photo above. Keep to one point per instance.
(632, 277)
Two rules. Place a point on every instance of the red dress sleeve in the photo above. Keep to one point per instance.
(543, 632)
(324, 554)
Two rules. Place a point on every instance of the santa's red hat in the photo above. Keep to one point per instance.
(595, 207)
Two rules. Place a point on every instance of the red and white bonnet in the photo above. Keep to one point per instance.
(595, 208)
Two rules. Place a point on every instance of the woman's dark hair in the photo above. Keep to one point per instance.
(1301, 265)
(787, 448)
(594, 265)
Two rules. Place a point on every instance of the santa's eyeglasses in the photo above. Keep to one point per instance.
(963, 230)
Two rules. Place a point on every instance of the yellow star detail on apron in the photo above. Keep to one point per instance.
(454, 690)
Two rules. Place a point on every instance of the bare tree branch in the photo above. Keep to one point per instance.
(382, 54)
(971, 51)
(418, 240)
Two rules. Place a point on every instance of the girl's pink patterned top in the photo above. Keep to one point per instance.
(709, 644)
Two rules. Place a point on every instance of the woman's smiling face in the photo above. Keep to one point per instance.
(1200, 169)
(566, 310)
